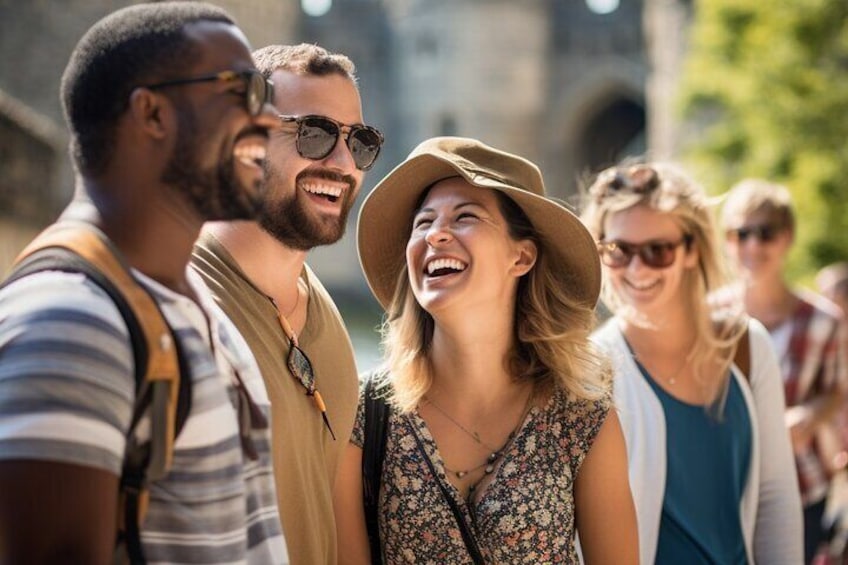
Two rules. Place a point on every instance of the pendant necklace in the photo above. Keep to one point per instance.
(299, 364)
(490, 463)
(473, 435)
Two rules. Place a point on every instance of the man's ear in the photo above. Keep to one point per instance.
(150, 111)
(526, 258)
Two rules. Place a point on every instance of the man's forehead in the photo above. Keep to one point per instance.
(334, 95)
(220, 45)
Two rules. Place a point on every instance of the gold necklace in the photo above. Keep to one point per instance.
(473, 435)
(672, 380)
(490, 463)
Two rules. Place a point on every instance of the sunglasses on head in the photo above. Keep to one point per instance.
(636, 179)
(258, 90)
(764, 233)
(318, 135)
(656, 254)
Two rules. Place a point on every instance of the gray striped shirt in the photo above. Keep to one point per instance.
(66, 395)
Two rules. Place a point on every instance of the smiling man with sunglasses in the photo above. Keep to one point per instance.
(807, 331)
(317, 156)
(169, 122)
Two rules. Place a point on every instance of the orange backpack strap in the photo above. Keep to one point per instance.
(80, 247)
(742, 358)
(162, 370)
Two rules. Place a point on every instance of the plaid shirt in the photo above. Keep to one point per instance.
(814, 363)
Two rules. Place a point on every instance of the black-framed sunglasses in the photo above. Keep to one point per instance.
(656, 254)
(301, 368)
(318, 135)
(764, 233)
(258, 90)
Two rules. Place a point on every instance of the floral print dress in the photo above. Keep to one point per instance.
(524, 515)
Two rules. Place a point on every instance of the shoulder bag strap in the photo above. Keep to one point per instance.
(464, 529)
(373, 452)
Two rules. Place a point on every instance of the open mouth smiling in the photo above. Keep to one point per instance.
(331, 193)
(444, 266)
(643, 285)
(251, 154)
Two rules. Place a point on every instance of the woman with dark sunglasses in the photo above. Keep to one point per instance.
(709, 459)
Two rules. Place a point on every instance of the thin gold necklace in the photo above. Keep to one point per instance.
(491, 460)
(473, 435)
(672, 380)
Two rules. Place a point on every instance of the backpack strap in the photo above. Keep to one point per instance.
(79, 247)
(377, 413)
(742, 357)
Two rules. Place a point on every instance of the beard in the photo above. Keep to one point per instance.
(289, 220)
(216, 194)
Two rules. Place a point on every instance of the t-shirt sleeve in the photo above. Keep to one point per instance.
(66, 372)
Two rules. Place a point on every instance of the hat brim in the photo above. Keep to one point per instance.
(385, 222)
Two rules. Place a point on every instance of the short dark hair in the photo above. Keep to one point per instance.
(127, 48)
(303, 59)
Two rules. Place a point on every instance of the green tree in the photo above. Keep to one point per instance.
(765, 89)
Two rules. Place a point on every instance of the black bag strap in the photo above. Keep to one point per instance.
(377, 412)
(464, 528)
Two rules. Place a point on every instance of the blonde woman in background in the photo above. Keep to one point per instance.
(709, 458)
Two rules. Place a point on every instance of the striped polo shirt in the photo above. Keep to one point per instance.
(66, 395)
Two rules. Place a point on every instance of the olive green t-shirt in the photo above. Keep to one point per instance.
(305, 456)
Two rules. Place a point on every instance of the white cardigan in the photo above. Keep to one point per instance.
(771, 512)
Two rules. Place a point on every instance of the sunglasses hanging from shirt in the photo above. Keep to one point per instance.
(318, 135)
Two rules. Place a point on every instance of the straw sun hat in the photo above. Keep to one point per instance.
(385, 219)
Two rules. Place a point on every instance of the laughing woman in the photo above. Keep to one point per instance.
(501, 444)
(710, 463)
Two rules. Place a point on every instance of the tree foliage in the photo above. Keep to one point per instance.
(765, 91)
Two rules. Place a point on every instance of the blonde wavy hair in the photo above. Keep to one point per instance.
(717, 311)
(551, 331)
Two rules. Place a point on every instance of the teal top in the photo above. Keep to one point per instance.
(708, 462)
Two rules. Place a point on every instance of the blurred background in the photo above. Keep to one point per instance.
(730, 88)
